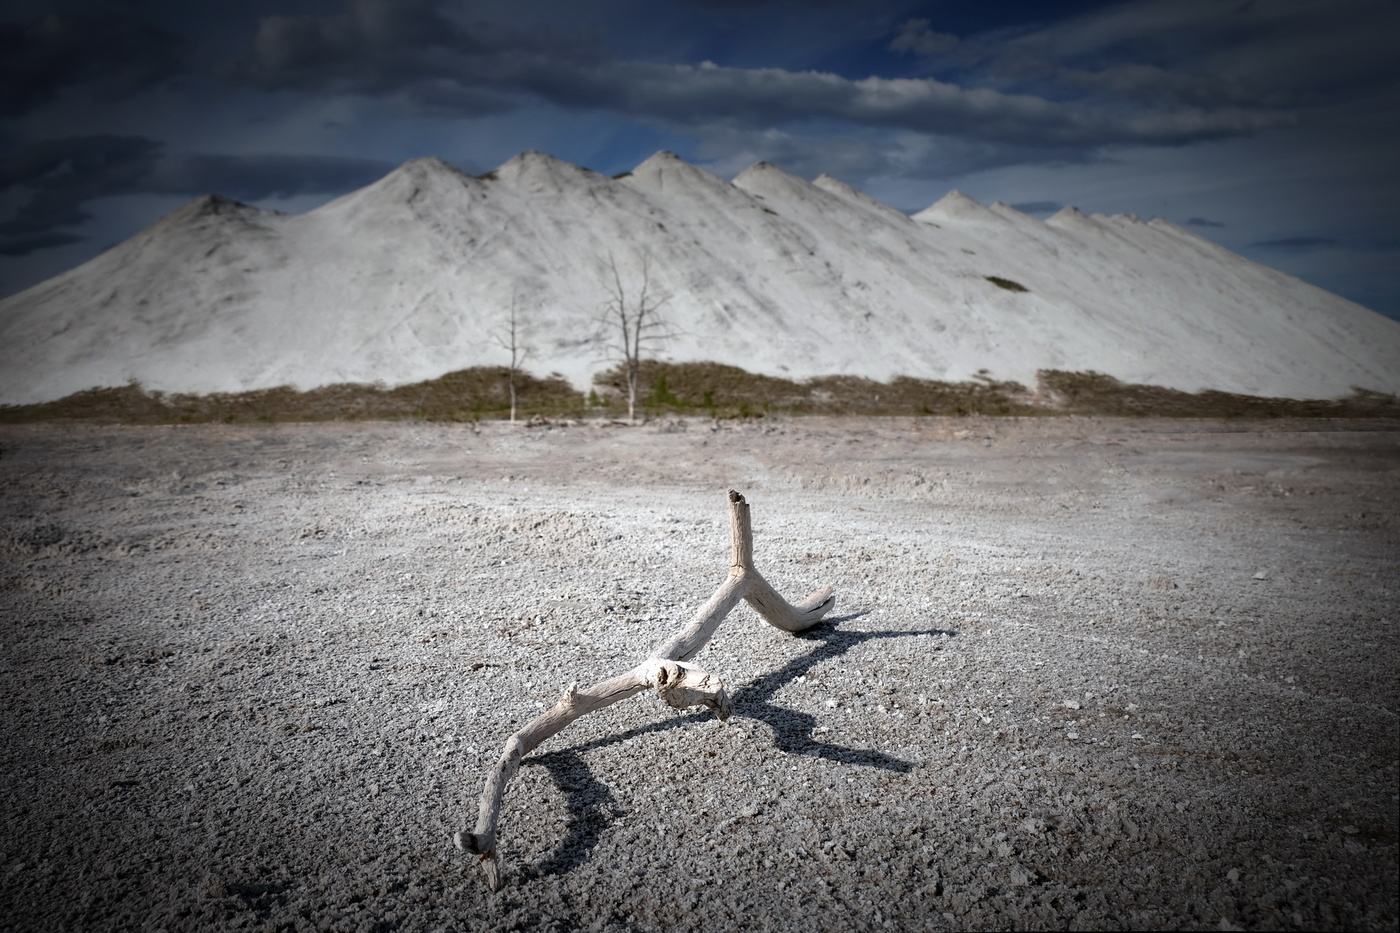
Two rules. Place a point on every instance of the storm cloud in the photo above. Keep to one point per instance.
(58, 178)
(417, 54)
(1189, 53)
(113, 53)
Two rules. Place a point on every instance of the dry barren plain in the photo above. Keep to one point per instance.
(1081, 673)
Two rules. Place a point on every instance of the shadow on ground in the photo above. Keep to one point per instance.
(591, 803)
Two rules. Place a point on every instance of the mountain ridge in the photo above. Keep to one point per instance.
(412, 276)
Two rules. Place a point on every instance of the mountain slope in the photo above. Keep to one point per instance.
(413, 276)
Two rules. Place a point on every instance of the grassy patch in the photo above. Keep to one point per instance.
(722, 391)
(464, 395)
(1098, 394)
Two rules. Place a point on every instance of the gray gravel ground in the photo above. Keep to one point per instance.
(1081, 674)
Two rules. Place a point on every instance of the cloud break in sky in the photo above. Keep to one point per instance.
(1268, 127)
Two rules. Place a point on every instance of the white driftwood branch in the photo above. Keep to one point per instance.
(679, 684)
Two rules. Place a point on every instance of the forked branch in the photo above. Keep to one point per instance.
(678, 683)
(634, 318)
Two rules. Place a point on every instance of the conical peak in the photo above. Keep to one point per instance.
(1072, 218)
(957, 206)
(765, 178)
(211, 206)
(955, 200)
(420, 172)
(531, 155)
(529, 159)
(665, 160)
(662, 157)
(533, 165)
(410, 182)
(763, 170)
(428, 165)
(666, 167)
(214, 204)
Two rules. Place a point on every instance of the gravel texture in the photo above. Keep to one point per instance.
(1082, 673)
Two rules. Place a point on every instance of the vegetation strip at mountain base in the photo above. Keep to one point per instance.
(708, 389)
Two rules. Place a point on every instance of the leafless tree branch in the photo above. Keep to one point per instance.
(678, 683)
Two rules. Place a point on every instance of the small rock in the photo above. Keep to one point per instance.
(1020, 876)
(1261, 575)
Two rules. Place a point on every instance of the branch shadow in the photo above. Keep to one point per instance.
(591, 804)
(793, 729)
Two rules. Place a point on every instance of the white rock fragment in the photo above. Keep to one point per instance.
(1020, 875)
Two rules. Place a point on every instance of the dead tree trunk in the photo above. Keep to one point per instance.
(639, 327)
(510, 340)
(679, 684)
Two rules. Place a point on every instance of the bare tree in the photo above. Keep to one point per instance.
(667, 671)
(633, 316)
(511, 339)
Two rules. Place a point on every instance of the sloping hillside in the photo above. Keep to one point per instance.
(410, 277)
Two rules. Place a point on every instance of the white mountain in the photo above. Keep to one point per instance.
(410, 277)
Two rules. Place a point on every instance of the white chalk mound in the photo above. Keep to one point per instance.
(407, 279)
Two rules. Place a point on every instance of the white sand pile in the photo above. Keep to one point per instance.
(407, 278)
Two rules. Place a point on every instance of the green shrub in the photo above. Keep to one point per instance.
(1007, 284)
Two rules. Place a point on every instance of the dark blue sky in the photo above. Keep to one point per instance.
(1269, 127)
